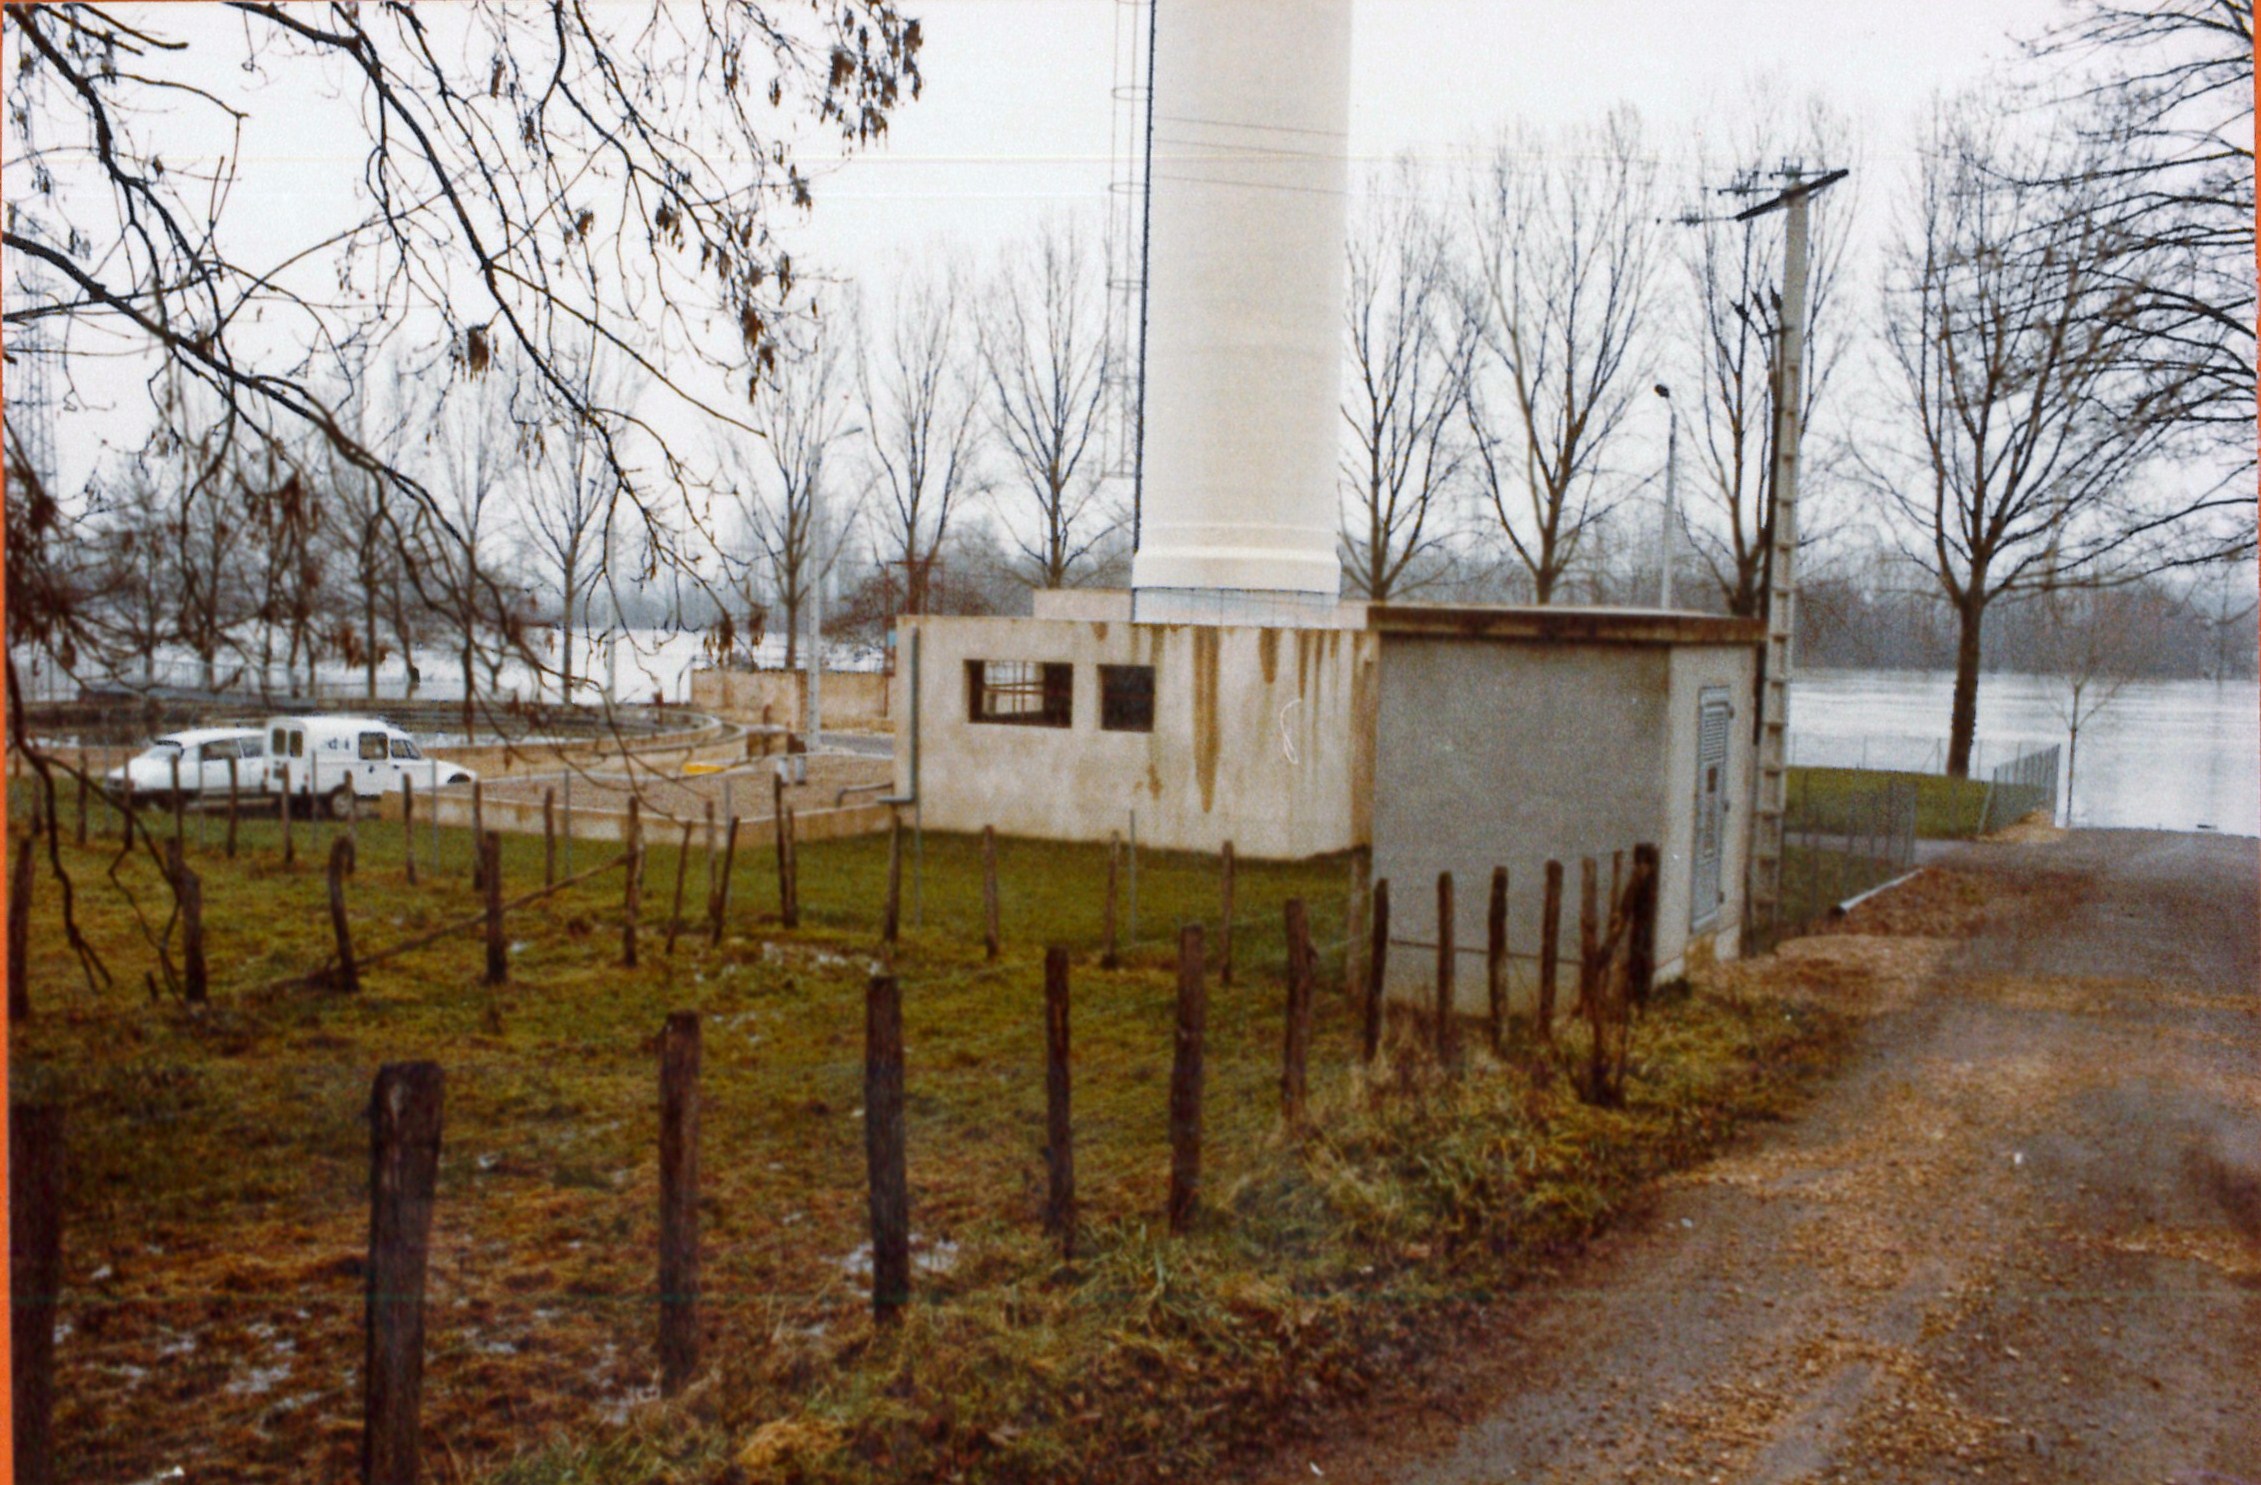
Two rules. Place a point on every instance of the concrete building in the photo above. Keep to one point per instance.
(1515, 736)
(1231, 695)
(1077, 724)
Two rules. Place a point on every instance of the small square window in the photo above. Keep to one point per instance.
(1021, 693)
(375, 747)
(1126, 698)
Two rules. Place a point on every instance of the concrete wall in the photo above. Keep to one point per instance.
(1261, 736)
(854, 701)
(1511, 753)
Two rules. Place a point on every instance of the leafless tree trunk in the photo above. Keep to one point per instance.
(918, 393)
(802, 415)
(2023, 431)
(1564, 231)
(1412, 336)
(570, 504)
(1046, 361)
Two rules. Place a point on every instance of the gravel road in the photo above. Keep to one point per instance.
(2019, 1238)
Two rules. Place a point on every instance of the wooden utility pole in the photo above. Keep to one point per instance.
(1762, 898)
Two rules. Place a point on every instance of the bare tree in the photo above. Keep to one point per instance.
(569, 506)
(2022, 432)
(2164, 90)
(919, 394)
(475, 449)
(1046, 360)
(1412, 335)
(1564, 231)
(1734, 271)
(540, 177)
(783, 490)
(2098, 641)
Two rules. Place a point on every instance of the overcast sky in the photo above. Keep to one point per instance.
(1016, 117)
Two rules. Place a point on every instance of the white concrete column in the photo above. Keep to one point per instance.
(1244, 320)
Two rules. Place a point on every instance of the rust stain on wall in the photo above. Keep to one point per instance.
(1205, 721)
(1099, 629)
(1268, 653)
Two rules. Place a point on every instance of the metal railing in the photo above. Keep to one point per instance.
(1838, 843)
(2019, 787)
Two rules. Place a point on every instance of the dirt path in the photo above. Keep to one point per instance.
(2020, 1239)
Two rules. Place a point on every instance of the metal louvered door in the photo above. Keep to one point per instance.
(1714, 714)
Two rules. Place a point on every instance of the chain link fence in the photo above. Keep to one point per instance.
(2019, 787)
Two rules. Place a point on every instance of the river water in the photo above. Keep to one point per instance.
(2173, 755)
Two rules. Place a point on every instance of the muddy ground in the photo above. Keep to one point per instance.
(2019, 1239)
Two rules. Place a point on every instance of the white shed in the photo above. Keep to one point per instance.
(1515, 736)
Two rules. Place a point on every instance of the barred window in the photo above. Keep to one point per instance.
(1023, 693)
(1126, 698)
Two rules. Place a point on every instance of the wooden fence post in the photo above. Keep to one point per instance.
(490, 877)
(404, 1160)
(353, 816)
(1296, 1052)
(408, 827)
(1059, 1131)
(792, 874)
(1110, 957)
(1225, 913)
(188, 889)
(1495, 961)
(1185, 1081)
(479, 831)
(711, 843)
(891, 919)
(1447, 1028)
(675, 913)
(776, 821)
(341, 862)
(992, 940)
(1377, 973)
(1550, 948)
(1589, 931)
(35, 1280)
(679, 1197)
(632, 893)
(883, 1149)
(1640, 953)
(549, 838)
(718, 906)
(284, 809)
(19, 929)
(180, 807)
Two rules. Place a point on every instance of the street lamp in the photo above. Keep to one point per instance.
(1671, 498)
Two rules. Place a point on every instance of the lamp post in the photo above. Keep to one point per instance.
(1671, 497)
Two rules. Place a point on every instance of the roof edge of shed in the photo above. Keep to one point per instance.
(1550, 624)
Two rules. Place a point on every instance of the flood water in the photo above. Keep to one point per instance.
(2172, 755)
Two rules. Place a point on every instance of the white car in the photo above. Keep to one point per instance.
(203, 755)
(324, 761)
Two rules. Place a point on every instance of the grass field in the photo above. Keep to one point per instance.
(1946, 809)
(217, 1213)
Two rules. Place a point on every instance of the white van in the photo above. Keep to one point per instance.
(318, 761)
(203, 755)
